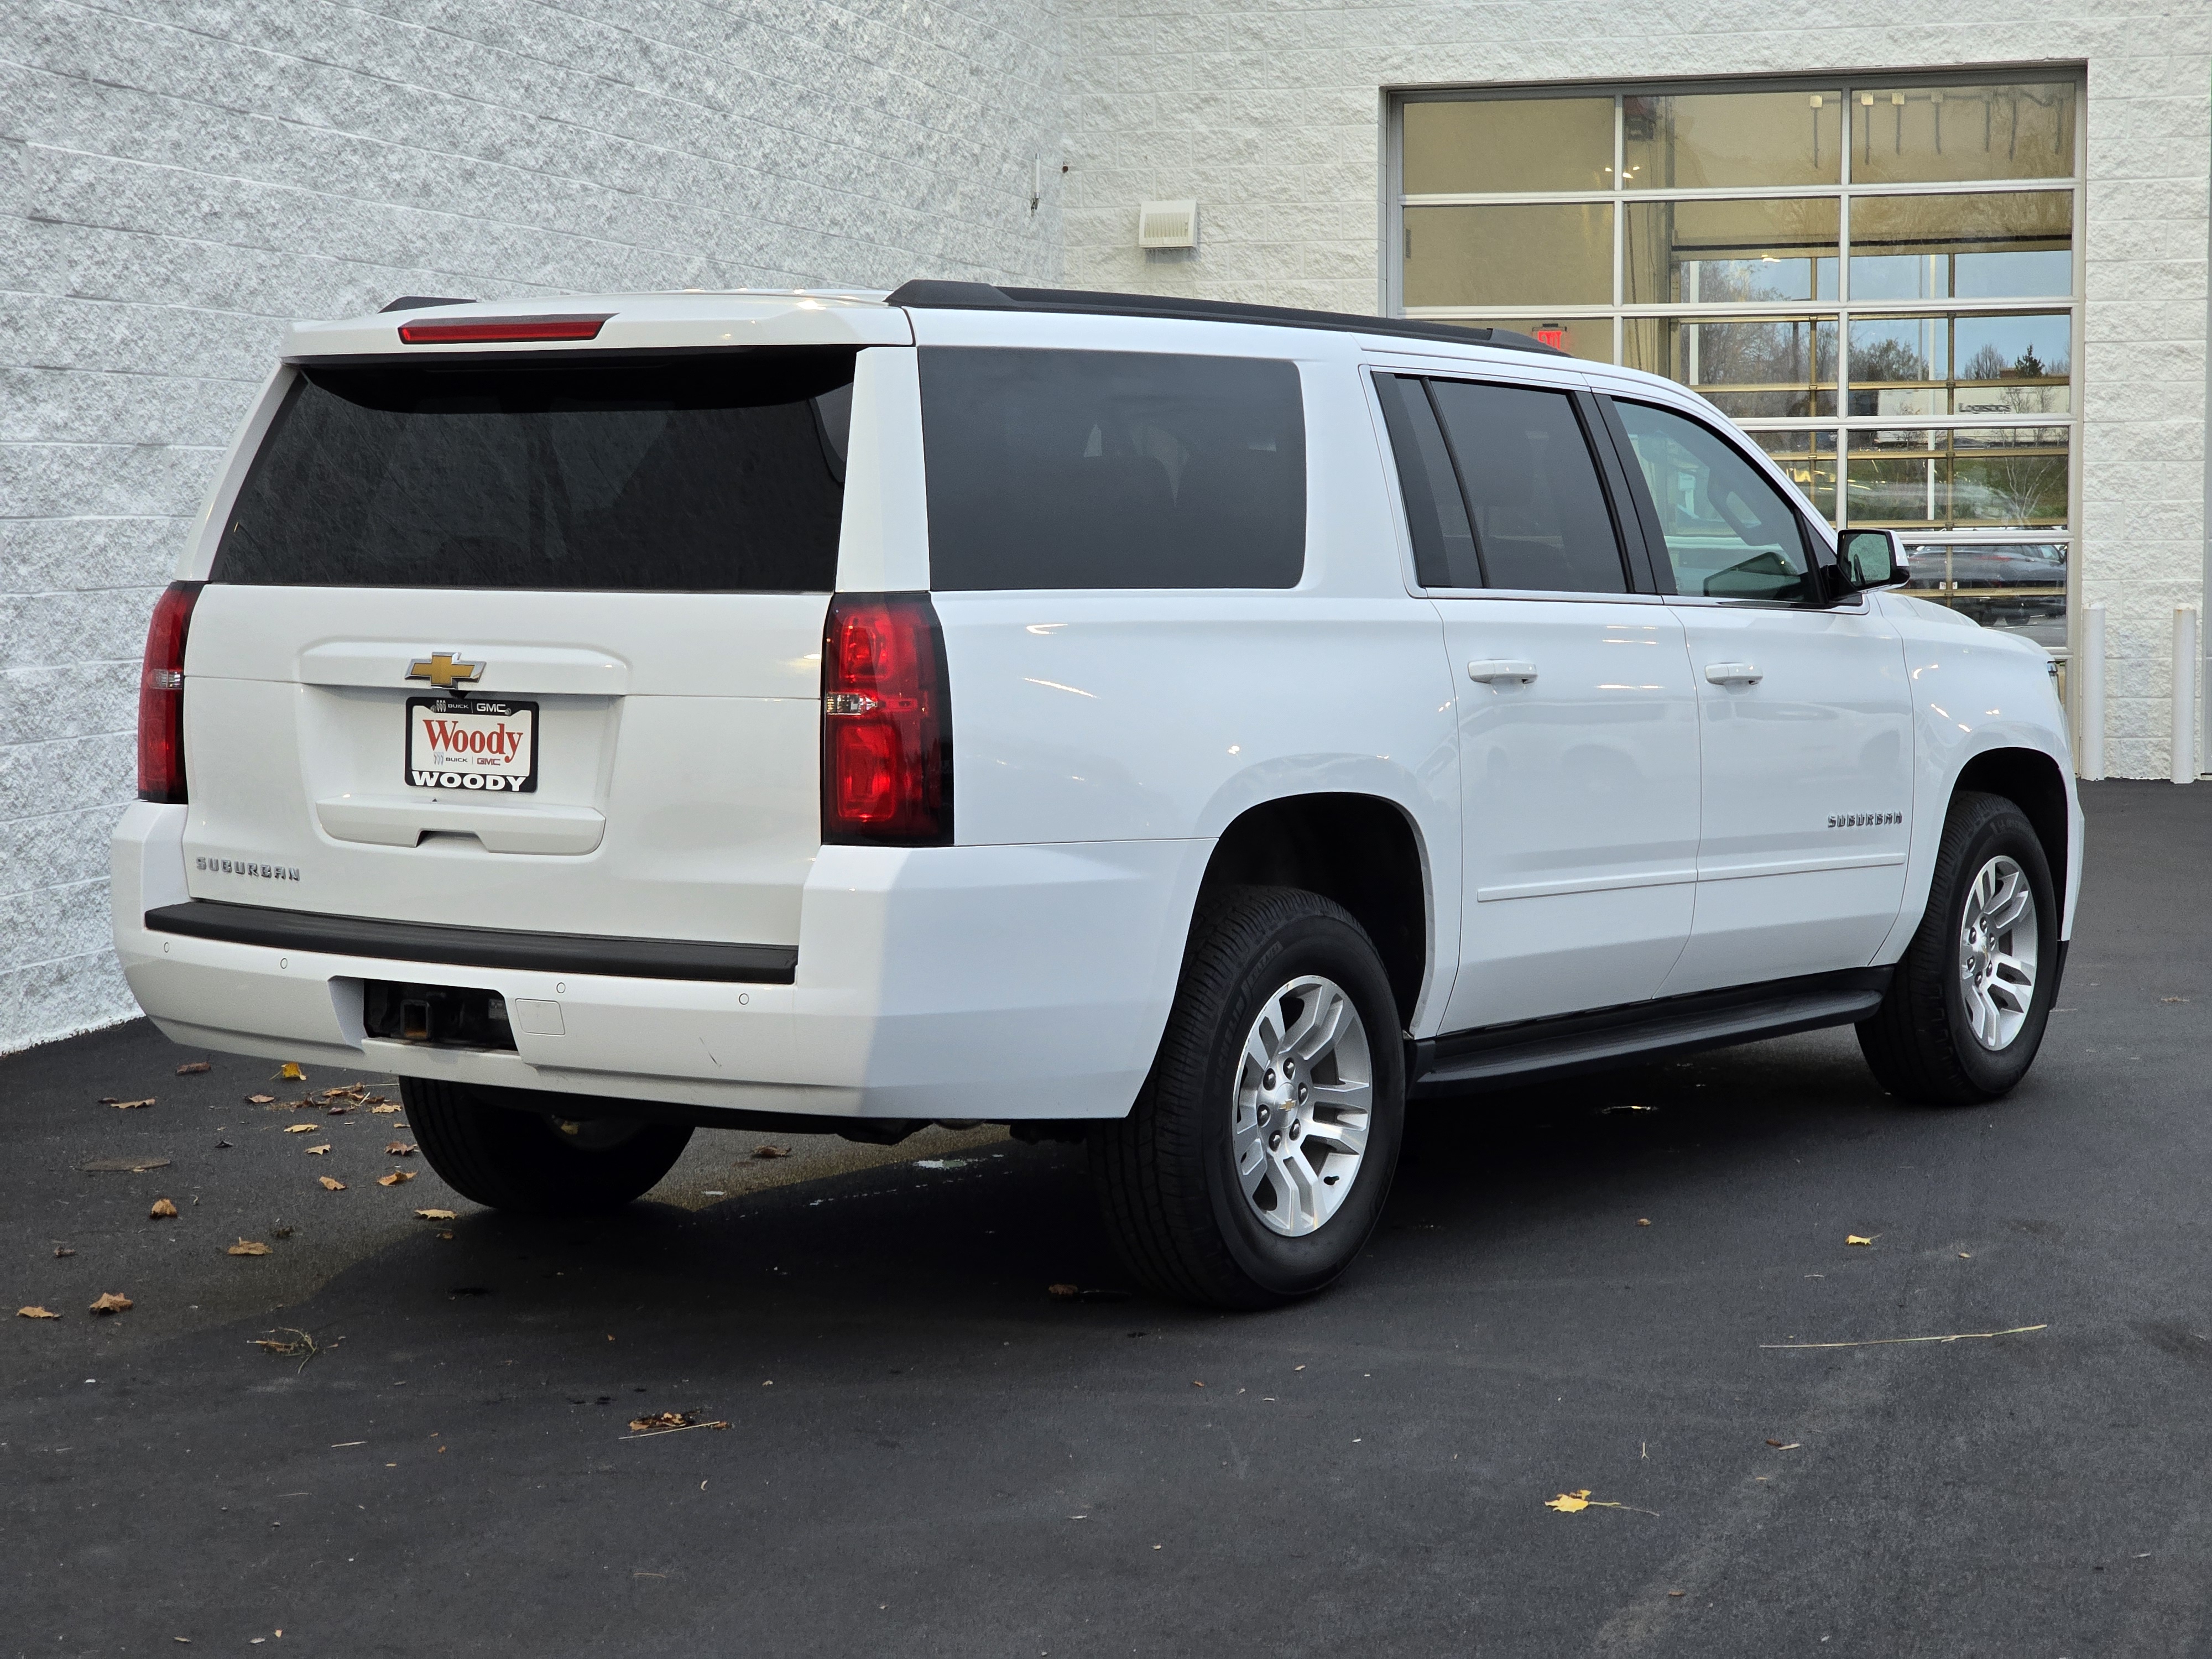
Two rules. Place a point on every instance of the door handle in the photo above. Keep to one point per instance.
(1733, 673)
(1490, 671)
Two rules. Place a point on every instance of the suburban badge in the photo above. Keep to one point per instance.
(446, 670)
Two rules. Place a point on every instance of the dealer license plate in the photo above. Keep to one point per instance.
(472, 743)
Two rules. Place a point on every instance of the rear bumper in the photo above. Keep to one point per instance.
(1003, 983)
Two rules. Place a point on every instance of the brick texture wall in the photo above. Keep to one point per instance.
(177, 179)
(1271, 114)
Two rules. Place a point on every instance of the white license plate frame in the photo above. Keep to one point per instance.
(505, 765)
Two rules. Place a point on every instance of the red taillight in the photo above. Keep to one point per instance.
(495, 330)
(161, 696)
(886, 729)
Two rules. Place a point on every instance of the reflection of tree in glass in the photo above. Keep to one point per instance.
(1988, 364)
(1887, 360)
(2009, 490)
(1765, 353)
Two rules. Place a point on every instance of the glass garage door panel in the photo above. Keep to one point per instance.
(1695, 141)
(2013, 245)
(1751, 368)
(1747, 253)
(1923, 135)
(1959, 478)
(1546, 253)
(1460, 147)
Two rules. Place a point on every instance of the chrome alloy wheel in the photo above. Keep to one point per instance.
(1305, 1093)
(1998, 940)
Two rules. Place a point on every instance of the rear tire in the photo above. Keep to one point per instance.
(534, 1161)
(1257, 1157)
(1965, 1011)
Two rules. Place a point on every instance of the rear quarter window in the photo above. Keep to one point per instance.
(710, 474)
(1112, 469)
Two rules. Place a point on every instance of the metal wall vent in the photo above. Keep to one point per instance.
(1167, 224)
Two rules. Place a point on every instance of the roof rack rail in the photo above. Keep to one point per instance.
(929, 295)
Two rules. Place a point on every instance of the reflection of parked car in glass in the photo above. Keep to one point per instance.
(2002, 585)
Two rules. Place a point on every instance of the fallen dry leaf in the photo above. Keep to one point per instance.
(2173, 999)
(35, 1313)
(401, 1149)
(771, 1152)
(64, 1250)
(667, 1423)
(299, 1128)
(1643, 1221)
(192, 1065)
(290, 1071)
(125, 1105)
(248, 1247)
(162, 1210)
(381, 1111)
(317, 1151)
(111, 1302)
(123, 1165)
(1853, 1238)
(1064, 1293)
(259, 1100)
(330, 1186)
(1571, 1503)
(1196, 1384)
(395, 1178)
(433, 1215)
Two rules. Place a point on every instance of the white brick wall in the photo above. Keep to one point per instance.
(181, 178)
(1270, 115)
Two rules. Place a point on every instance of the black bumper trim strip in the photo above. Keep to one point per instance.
(477, 947)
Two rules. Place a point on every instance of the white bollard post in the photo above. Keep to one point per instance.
(2184, 693)
(2089, 695)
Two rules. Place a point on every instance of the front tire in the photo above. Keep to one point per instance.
(1256, 1159)
(527, 1159)
(1965, 1011)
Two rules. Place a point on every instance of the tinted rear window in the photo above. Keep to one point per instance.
(704, 474)
(1112, 468)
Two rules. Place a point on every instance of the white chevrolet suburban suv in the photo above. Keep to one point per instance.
(1192, 727)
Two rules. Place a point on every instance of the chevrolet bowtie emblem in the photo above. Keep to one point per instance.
(446, 671)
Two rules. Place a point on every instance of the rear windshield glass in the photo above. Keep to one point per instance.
(722, 474)
(1112, 468)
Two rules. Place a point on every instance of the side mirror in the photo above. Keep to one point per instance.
(1872, 558)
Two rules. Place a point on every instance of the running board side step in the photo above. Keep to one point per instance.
(1504, 1056)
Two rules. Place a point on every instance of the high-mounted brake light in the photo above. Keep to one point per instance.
(161, 696)
(501, 330)
(886, 723)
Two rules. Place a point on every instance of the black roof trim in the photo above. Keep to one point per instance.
(417, 301)
(983, 296)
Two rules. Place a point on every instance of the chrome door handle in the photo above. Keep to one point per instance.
(1490, 671)
(1733, 673)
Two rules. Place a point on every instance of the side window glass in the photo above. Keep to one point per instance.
(1052, 469)
(1539, 513)
(1444, 544)
(1730, 534)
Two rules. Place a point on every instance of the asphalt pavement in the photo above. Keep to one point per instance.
(1616, 1289)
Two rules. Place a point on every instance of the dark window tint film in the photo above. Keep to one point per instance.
(720, 474)
(1112, 468)
(1444, 541)
(1539, 513)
